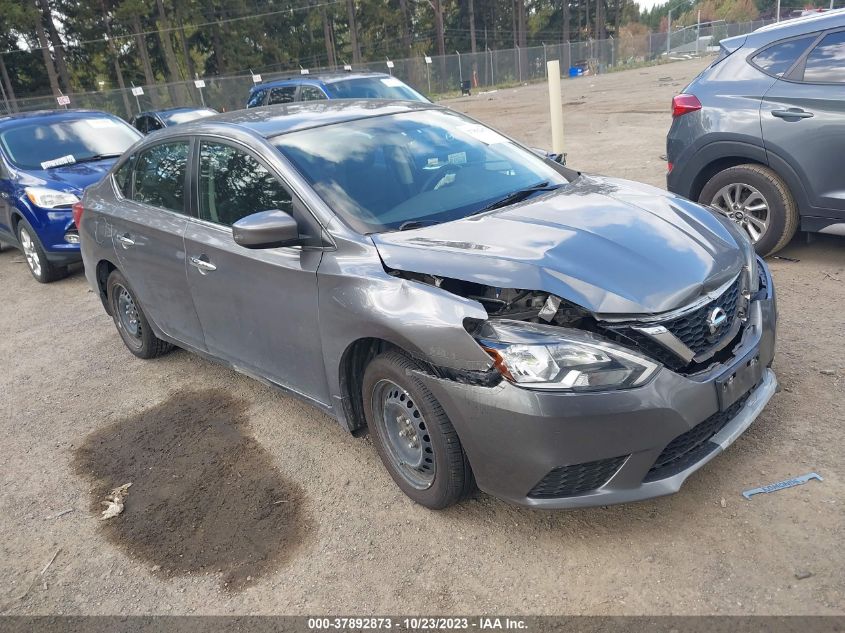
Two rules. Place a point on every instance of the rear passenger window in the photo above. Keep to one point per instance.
(233, 185)
(826, 62)
(310, 93)
(779, 58)
(282, 95)
(159, 176)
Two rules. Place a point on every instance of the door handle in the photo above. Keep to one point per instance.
(792, 113)
(125, 240)
(202, 265)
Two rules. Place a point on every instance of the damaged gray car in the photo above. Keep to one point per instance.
(491, 317)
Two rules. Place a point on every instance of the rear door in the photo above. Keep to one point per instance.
(282, 94)
(258, 308)
(148, 228)
(803, 122)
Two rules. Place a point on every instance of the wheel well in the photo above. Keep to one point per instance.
(352, 365)
(104, 269)
(16, 218)
(714, 168)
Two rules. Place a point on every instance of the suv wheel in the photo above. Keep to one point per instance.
(758, 200)
(43, 271)
(130, 320)
(413, 436)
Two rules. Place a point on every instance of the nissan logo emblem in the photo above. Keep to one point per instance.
(716, 319)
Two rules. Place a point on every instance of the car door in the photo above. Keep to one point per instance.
(6, 197)
(148, 226)
(258, 308)
(803, 121)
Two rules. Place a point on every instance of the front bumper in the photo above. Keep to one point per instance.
(516, 439)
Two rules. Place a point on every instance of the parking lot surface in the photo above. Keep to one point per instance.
(80, 415)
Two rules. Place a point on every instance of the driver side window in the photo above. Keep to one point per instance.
(233, 185)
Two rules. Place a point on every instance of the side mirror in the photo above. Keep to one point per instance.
(266, 229)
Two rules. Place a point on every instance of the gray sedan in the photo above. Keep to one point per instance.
(490, 316)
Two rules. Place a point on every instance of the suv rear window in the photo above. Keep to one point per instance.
(778, 58)
(826, 62)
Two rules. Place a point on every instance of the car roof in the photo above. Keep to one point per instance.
(799, 26)
(13, 120)
(270, 121)
(175, 109)
(326, 78)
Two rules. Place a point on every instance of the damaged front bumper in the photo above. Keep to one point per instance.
(567, 450)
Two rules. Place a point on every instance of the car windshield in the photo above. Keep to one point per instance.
(372, 88)
(415, 168)
(43, 145)
(183, 116)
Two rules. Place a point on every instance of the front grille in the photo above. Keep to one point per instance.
(692, 327)
(566, 481)
(694, 445)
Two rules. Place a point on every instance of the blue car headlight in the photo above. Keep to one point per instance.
(564, 359)
(50, 198)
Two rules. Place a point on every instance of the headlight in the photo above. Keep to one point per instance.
(49, 198)
(547, 357)
(747, 248)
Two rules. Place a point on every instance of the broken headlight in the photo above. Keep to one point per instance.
(548, 357)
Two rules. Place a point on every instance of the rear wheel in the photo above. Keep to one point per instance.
(413, 436)
(130, 320)
(758, 200)
(43, 271)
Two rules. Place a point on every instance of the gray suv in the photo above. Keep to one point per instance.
(760, 134)
(489, 315)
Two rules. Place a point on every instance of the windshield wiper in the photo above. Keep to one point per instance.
(96, 157)
(415, 224)
(518, 195)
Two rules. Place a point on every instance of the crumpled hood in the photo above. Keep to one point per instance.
(611, 246)
(71, 178)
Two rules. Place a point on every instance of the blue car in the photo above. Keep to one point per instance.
(47, 159)
(350, 85)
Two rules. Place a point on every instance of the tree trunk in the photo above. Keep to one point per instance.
(472, 25)
(353, 32)
(406, 27)
(327, 36)
(183, 40)
(566, 17)
(56, 41)
(141, 44)
(177, 93)
(216, 37)
(114, 55)
(616, 19)
(437, 5)
(10, 91)
(601, 32)
(45, 52)
(587, 28)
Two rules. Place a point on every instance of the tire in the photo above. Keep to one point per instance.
(443, 476)
(36, 260)
(781, 210)
(130, 320)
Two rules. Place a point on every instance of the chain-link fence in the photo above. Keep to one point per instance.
(436, 75)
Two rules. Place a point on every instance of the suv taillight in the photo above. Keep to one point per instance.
(684, 104)
(77, 213)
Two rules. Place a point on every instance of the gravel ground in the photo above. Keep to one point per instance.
(78, 414)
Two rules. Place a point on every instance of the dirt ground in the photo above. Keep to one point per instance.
(79, 415)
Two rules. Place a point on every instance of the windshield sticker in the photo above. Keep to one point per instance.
(458, 158)
(101, 123)
(58, 162)
(483, 134)
(391, 82)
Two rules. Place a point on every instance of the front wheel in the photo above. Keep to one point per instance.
(40, 267)
(413, 435)
(758, 200)
(130, 320)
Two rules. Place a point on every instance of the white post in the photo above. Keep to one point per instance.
(492, 70)
(698, 33)
(555, 105)
(777, 17)
(669, 34)
(545, 58)
(460, 70)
